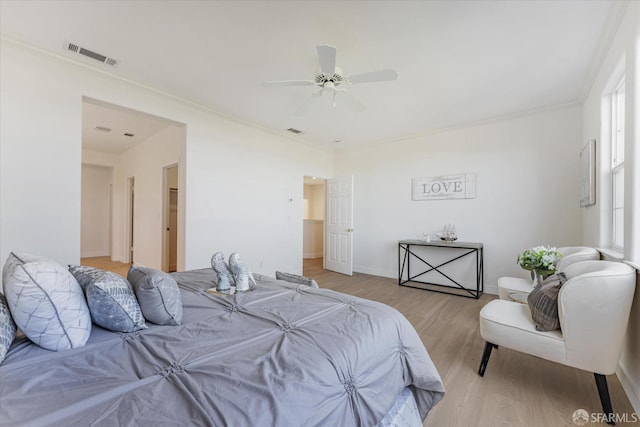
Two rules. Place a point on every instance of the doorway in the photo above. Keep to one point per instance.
(313, 220)
(170, 221)
(131, 214)
(136, 146)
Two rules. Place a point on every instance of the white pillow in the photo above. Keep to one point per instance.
(46, 302)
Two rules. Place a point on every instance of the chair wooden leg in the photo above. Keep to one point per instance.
(485, 357)
(605, 399)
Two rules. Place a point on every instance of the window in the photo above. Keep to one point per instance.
(617, 166)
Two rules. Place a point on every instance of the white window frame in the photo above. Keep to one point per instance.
(617, 166)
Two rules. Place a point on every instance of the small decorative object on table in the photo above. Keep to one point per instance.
(448, 233)
(540, 260)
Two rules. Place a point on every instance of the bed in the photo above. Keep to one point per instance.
(281, 355)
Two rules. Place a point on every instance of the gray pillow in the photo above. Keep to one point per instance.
(296, 278)
(7, 328)
(111, 300)
(158, 295)
(46, 302)
(543, 303)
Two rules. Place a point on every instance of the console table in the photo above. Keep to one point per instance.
(410, 278)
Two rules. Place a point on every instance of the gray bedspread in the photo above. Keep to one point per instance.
(281, 355)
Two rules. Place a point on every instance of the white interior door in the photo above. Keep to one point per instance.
(339, 231)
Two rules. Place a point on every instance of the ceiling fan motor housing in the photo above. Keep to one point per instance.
(336, 78)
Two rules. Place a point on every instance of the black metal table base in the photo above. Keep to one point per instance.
(405, 254)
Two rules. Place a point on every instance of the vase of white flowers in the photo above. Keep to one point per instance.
(540, 260)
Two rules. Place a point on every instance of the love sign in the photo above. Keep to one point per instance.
(460, 186)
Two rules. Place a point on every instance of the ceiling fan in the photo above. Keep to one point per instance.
(330, 78)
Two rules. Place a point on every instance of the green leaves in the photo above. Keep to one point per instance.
(542, 259)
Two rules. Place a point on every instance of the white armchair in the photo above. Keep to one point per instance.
(593, 303)
(570, 255)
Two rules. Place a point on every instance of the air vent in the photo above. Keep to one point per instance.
(103, 129)
(130, 135)
(293, 130)
(75, 48)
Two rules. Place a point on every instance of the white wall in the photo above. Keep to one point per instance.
(238, 188)
(172, 177)
(314, 195)
(237, 179)
(96, 158)
(313, 238)
(318, 196)
(39, 158)
(623, 56)
(527, 190)
(96, 211)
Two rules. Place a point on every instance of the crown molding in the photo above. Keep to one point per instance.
(616, 15)
(277, 132)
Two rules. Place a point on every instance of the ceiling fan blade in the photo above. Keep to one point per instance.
(374, 76)
(350, 101)
(304, 108)
(275, 83)
(327, 59)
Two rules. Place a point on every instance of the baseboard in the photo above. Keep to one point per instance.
(94, 254)
(488, 289)
(491, 289)
(630, 387)
(374, 272)
(119, 259)
(312, 255)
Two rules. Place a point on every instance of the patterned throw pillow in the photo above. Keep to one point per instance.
(543, 303)
(7, 328)
(46, 302)
(295, 278)
(158, 295)
(111, 300)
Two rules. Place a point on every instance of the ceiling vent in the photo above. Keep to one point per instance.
(76, 48)
(294, 130)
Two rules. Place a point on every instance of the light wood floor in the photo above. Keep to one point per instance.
(517, 390)
(105, 263)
